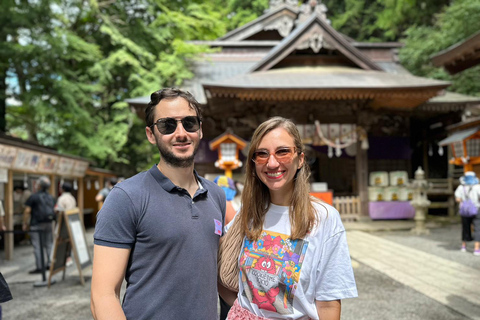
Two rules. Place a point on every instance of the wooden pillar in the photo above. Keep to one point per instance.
(9, 237)
(361, 163)
(80, 198)
(52, 186)
(425, 154)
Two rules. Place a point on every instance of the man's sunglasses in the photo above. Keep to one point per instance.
(169, 125)
(283, 155)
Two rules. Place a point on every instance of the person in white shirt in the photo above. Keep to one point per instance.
(66, 201)
(469, 189)
(294, 262)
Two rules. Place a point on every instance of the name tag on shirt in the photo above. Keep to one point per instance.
(218, 227)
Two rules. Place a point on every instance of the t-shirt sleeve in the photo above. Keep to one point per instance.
(335, 279)
(116, 221)
(29, 201)
(459, 192)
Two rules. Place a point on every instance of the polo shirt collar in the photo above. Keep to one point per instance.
(169, 186)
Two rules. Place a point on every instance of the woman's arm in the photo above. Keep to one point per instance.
(227, 295)
(329, 310)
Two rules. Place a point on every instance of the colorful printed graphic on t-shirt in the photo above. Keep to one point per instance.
(270, 270)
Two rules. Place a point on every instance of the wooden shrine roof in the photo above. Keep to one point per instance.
(328, 83)
(460, 56)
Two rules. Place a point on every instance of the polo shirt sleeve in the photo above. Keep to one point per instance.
(335, 278)
(116, 221)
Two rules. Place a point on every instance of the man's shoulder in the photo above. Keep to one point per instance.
(134, 184)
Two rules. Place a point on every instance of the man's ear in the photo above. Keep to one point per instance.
(150, 135)
(200, 134)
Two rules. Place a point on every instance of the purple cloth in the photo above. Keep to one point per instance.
(391, 210)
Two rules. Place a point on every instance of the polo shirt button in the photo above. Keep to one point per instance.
(193, 202)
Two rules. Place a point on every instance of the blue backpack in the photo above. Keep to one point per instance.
(467, 207)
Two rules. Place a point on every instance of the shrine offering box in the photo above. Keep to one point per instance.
(379, 179)
(398, 178)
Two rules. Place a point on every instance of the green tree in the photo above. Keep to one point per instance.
(456, 23)
(240, 12)
(77, 61)
(381, 20)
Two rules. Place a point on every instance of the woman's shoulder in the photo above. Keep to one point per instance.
(328, 218)
(324, 209)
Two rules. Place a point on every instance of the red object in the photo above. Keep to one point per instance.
(326, 196)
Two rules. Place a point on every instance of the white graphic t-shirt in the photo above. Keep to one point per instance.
(281, 278)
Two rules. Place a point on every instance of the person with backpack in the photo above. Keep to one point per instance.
(468, 195)
(39, 215)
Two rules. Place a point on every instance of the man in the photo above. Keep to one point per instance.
(38, 216)
(102, 194)
(160, 229)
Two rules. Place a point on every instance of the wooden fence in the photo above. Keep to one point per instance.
(349, 207)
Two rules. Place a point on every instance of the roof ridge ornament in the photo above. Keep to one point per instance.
(277, 3)
(283, 25)
(312, 7)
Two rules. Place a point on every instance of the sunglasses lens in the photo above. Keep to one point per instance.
(261, 157)
(284, 155)
(281, 155)
(190, 124)
(167, 126)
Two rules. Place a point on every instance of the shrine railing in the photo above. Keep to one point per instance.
(348, 207)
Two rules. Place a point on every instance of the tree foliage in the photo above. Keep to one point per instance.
(456, 23)
(77, 61)
(381, 20)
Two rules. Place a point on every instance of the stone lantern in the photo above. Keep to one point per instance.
(420, 201)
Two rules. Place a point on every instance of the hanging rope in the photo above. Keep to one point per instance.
(361, 133)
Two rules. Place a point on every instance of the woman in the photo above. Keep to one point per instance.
(469, 189)
(294, 262)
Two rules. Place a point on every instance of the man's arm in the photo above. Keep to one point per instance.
(329, 310)
(26, 218)
(99, 197)
(109, 266)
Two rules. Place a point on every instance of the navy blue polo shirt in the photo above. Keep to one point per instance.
(173, 238)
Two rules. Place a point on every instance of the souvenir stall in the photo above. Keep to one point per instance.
(28, 161)
(94, 181)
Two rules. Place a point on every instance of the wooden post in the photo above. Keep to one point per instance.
(361, 163)
(80, 199)
(9, 237)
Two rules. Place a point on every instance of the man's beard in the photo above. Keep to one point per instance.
(171, 159)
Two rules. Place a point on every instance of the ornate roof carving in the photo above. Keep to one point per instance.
(278, 3)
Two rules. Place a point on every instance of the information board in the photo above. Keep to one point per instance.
(70, 237)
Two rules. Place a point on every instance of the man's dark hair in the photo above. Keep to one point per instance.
(113, 181)
(67, 187)
(169, 93)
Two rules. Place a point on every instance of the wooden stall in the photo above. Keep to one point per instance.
(33, 160)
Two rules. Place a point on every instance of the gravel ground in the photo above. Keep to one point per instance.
(380, 297)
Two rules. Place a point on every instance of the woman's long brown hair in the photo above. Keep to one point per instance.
(256, 195)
